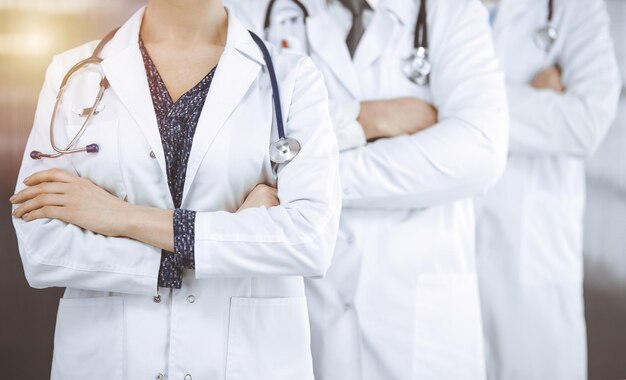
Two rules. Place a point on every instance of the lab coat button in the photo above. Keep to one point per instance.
(152, 155)
(156, 299)
(159, 376)
(191, 299)
(187, 377)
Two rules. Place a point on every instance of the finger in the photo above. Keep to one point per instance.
(50, 175)
(38, 202)
(52, 212)
(42, 188)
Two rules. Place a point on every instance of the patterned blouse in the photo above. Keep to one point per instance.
(177, 123)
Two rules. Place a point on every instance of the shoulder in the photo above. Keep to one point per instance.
(293, 69)
(63, 62)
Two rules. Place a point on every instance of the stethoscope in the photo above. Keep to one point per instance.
(547, 35)
(417, 67)
(281, 151)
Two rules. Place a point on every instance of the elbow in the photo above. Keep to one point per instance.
(495, 168)
(590, 145)
(37, 274)
(321, 247)
(322, 257)
(491, 164)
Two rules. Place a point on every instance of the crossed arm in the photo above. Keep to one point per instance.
(57, 194)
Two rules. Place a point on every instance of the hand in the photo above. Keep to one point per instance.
(549, 78)
(57, 194)
(395, 117)
(261, 195)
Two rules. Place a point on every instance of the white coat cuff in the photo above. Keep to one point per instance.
(201, 246)
(348, 130)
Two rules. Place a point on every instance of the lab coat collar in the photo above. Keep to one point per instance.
(375, 40)
(125, 71)
(238, 67)
(333, 51)
(508, 10)
(405, 10)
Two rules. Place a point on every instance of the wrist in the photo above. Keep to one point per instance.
(130, 223)
(370, 121)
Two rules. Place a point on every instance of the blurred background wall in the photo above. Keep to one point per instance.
(31, 31)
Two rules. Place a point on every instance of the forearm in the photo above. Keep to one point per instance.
(550, 123)
(150, 225)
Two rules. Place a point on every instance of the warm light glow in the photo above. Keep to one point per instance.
(25, 44)
(48, 6)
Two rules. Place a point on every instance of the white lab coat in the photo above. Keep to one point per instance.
(242, 313)
(401, 297)
(530, 228)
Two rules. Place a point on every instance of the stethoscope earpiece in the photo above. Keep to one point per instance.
(417, 67)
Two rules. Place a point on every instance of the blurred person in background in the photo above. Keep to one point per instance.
(400, 300)
(181, 242)
(562, 86)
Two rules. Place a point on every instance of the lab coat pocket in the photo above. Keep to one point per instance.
(551, 251)
(448, 331)
(102, 168)
(269, 338)
(88, 341)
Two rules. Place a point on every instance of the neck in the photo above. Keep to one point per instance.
(185, 22)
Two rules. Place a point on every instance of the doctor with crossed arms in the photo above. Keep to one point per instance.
(400, 300)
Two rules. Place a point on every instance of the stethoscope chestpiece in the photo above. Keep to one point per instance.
(284, 150)
(545, 37)
(417, 67)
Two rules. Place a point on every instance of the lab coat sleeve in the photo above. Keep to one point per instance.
(58, 254)
(297, 237)
(576, 121)
(459, 157)
(348, 130)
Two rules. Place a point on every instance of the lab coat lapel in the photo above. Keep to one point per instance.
(375, 39)
(326, 41)
(125, 71)
(507, 12)
(237, 69)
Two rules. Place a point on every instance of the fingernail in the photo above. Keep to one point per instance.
(25, 216)
(12, 198)
(26, 179)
